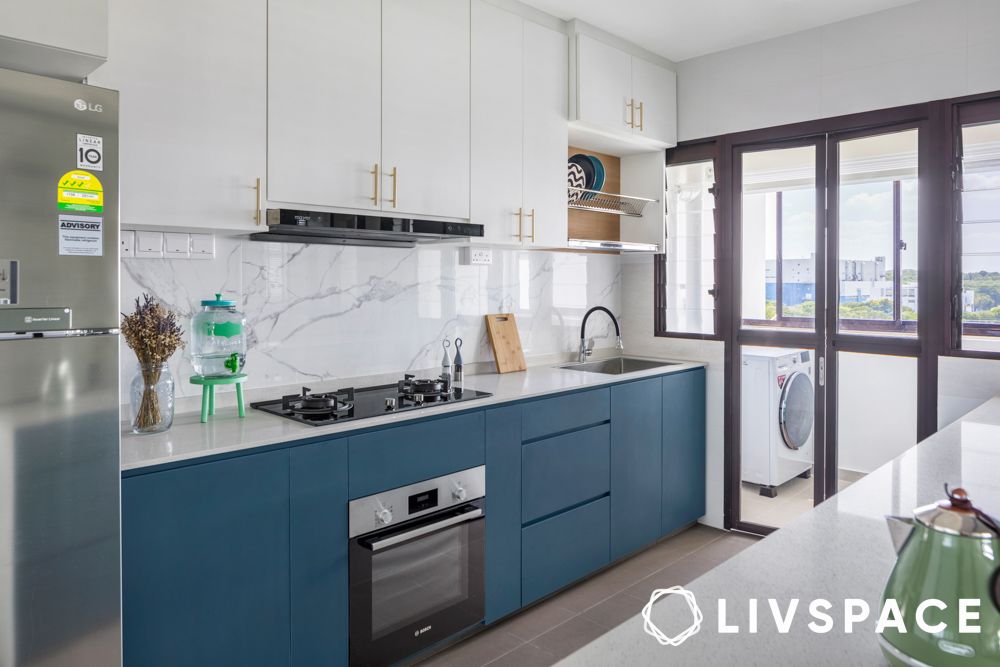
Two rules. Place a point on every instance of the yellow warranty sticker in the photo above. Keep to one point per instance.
(80, 191)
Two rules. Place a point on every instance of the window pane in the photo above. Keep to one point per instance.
(877, 227)
(690, 248)
(980, 295)
(779, 238)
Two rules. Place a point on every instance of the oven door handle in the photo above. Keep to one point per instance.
(399, 538)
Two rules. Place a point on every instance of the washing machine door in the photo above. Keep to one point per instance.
(796, 410)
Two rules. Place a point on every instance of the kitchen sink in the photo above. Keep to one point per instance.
(617, 365)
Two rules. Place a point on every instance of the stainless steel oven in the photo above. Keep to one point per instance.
(416, 566)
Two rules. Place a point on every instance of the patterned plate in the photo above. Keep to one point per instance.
(576, 178)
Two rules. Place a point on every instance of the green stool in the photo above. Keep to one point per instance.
(208, 385)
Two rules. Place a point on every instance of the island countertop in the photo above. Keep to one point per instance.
(225, 432)
(840, 549)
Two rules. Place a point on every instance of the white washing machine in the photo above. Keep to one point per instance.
(777, 415)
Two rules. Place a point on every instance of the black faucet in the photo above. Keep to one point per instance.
(587, 351)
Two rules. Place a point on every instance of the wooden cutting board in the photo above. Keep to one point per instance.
(506, 342)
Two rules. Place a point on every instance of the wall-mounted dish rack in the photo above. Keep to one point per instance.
(607, 202)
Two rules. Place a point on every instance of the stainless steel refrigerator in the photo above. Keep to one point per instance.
(60, 581)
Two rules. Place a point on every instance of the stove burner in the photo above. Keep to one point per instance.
(423, 390)
(318, 406)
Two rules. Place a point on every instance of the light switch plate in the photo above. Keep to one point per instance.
(202, 246)
(149, 244)
(176, 245)
(127, 241)
(476, 256)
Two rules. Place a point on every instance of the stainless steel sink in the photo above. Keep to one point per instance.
(617, 365)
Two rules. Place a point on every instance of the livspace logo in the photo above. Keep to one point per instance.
(819, 618)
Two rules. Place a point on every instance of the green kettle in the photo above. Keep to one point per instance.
(948, 551)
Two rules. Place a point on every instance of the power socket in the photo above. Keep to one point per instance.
(476, 256)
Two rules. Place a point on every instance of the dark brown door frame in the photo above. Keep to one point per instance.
(932, 267)
(838, 341)
(791, 337)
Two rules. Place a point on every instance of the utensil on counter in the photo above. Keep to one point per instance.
(446, 360)
(457, 375)
(947, 552)
(506, 342)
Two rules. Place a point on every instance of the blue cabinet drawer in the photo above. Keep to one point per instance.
(559, 550)
(563, 471)
(565, 413)
(406, 454)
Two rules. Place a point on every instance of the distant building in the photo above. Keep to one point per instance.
(860, 280)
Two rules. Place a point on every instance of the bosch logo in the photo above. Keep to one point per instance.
(83, 105)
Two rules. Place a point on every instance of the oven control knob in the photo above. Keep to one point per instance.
(383, 516)
(459, 493)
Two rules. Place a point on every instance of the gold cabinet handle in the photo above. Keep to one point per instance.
(256, 215)
(640, 116)
(520, 224)
(394, 175)
(532, 216)
(375, 179)
(631, 113)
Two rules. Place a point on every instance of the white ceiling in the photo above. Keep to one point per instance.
(682, 29)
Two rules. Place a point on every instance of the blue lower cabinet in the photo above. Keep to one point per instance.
(318, 554)
(394, 457)
(205, 564)
(559, 472)
(503, 511)
(561, 549)
(636, 465)
(683, 449)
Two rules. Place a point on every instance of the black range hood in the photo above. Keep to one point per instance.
(293, 226)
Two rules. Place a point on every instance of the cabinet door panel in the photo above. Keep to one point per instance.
(546, 134)
(192, 77)
(205, 564)
(503, 530)
(425, 106)
(318, 547)
(604, 82)
(656, 88)
(561, 549)
(562, 471)
(394, 457)
(636, 469)
(324, 102)
(497, 128)
(683, 449)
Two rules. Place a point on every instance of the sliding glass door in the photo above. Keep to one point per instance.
(823, 382)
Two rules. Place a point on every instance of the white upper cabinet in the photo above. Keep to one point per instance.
(546, 133)
(192, 77)
(519, 130)
(622, 95)
(425, 107)
(604, 85)
(66, 39)
(324, 102)
(497, 122)
(654, 90)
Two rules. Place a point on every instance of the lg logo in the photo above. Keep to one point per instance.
(83, 105)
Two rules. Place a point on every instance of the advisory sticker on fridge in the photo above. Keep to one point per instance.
(81, 235)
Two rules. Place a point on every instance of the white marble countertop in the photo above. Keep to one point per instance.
(838, 550)
(225, 432)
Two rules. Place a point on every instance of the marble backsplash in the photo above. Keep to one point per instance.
(319, 312)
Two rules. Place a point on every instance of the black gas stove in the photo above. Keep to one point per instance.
(410, 393)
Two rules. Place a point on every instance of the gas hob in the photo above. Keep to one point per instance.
(349, 404)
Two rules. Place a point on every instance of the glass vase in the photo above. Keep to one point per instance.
(152, 399)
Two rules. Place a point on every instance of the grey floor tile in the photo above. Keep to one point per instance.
(476, 651)
(598, 588)
(525, 656)
(691, 566)
(539, 619)
(614, 611)
(563, 639)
